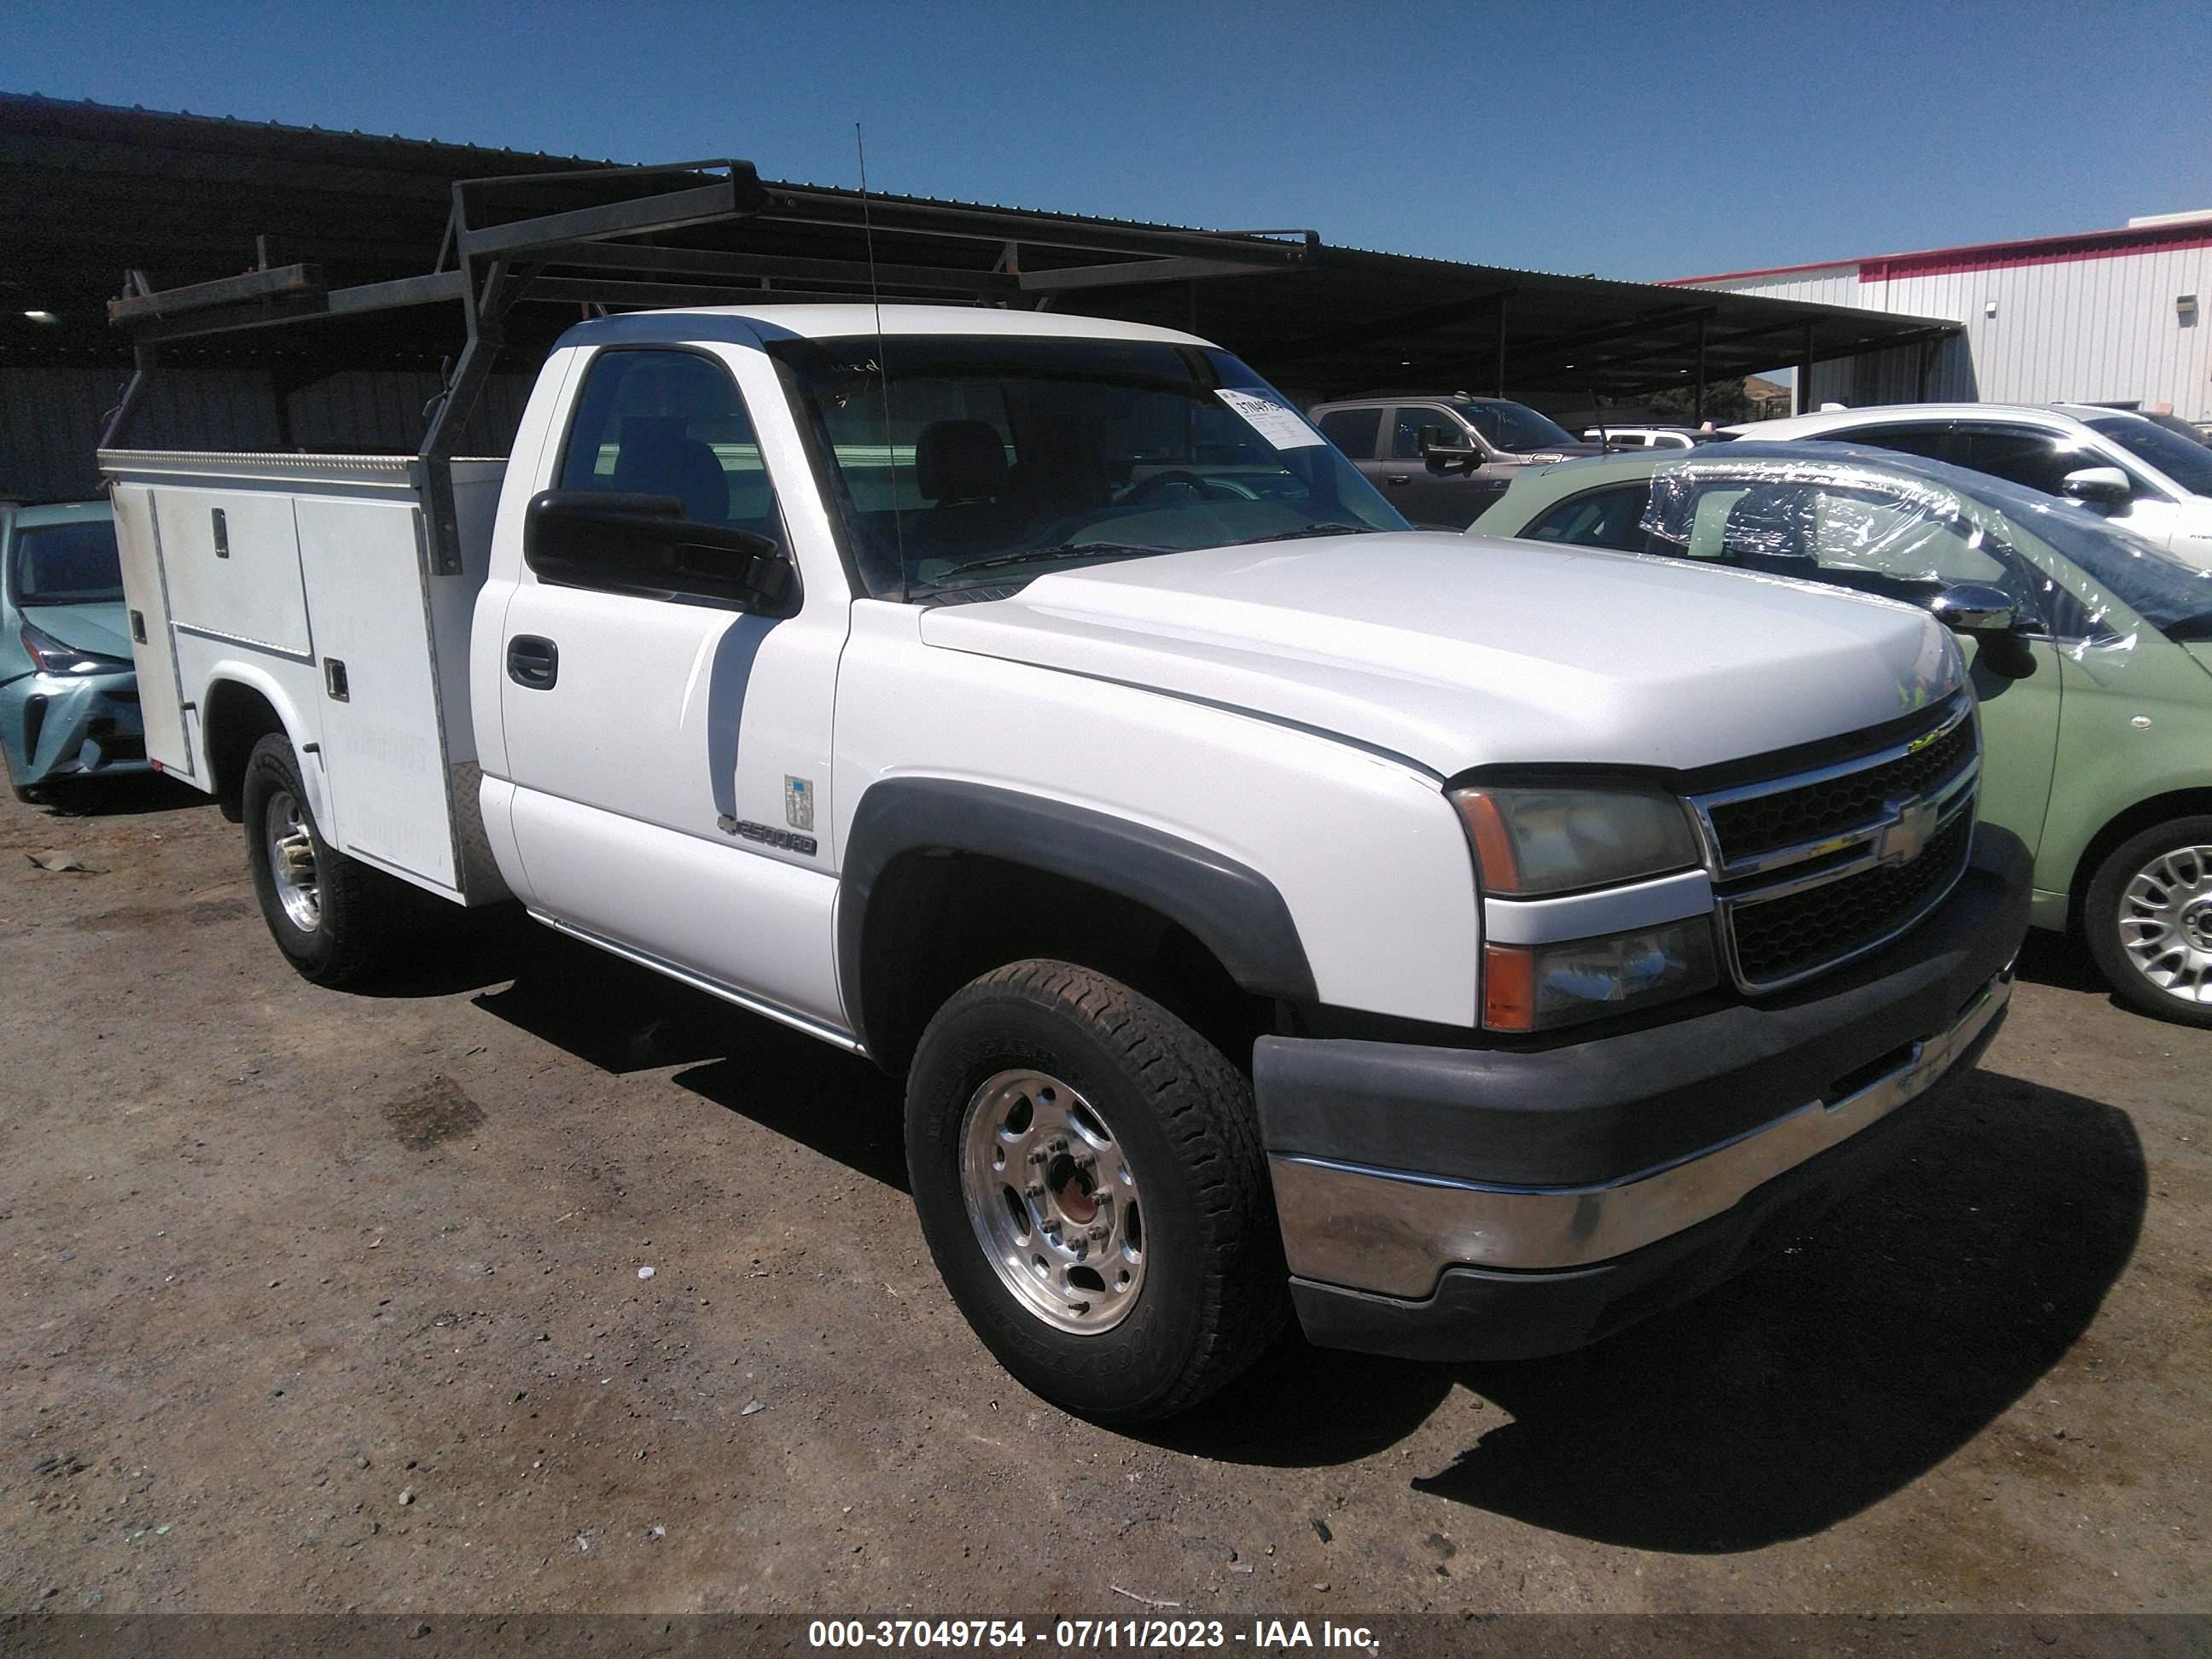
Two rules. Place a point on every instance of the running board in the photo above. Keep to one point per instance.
(750, 1003)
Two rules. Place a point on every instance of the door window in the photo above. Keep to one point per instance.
(659, 422)
(1353, 431)
(1406, 436)
(2040, 460)
(1602, 518)
(1933, 439)
(1849, 537)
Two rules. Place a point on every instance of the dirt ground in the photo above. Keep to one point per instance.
(321, 1301)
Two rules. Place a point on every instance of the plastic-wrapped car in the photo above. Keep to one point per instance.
(69, 694)
(2100, 760)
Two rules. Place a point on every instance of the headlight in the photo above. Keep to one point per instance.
(1534, 843)
(1528, 842)
(52, 656)
(1533, 988)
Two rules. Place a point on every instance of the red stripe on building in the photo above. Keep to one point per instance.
(1991, 256)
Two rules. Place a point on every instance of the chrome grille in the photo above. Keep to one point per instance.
(1813, 869)
(1765, 823)
(1788, 938)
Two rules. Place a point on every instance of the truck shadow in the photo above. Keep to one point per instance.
(1830, 1375)
(1822, 1381)
(2062, 963)
(134, 794)
(622, 1018)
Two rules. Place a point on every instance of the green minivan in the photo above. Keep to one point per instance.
(2099, 759)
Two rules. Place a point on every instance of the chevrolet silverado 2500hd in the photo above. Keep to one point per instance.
(1272, 911)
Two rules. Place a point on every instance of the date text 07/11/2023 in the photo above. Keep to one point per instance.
(1259, 1636)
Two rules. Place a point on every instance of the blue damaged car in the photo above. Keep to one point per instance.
(68, 697)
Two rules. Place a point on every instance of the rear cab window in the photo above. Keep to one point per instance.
(1353, 431)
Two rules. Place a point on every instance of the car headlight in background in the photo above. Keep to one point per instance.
(52, 656)
(1534, 843)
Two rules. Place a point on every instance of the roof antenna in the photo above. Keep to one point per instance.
(882, 367)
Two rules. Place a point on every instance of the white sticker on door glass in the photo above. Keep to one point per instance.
(1280, 424)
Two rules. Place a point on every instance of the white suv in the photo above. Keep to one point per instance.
(2150, 479)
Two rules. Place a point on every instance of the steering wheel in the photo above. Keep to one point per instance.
(1152, 487)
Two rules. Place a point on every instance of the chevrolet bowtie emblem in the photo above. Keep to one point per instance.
(1903, 840)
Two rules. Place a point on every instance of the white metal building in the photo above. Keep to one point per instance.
(2105, 317)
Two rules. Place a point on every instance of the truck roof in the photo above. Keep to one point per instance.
(829, 322)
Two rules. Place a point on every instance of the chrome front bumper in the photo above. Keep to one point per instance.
(1391, 1233)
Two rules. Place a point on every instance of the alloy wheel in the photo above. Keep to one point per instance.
(1054, 1201)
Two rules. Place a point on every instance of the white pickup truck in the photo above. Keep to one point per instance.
(1468, 948)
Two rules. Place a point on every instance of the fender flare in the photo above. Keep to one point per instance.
(1227, 906)
(253, 677)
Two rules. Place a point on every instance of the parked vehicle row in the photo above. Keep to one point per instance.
(1465, 947)
(2101, 761)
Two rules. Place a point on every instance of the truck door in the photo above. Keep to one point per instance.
(1453, 495)
(153, 647)
(670, 754)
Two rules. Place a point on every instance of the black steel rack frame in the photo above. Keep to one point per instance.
(595, 256)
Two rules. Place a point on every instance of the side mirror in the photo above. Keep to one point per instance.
(2104, 487)
(644, 544)
(1988, 616)
(1440, 444)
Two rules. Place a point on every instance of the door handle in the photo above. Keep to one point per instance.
(1397, 477)
(533, 662)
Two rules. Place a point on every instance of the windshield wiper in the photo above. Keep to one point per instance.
(1299, 535)
(998, 561)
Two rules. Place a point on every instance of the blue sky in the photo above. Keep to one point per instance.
(1639, 141)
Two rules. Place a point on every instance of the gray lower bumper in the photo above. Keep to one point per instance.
(1391, 1233)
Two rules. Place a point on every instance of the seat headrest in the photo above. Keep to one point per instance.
(959, 461)
(658, 457)
(1770, 522)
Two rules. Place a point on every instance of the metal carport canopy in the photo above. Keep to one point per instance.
(86, 190)
(1352, 322)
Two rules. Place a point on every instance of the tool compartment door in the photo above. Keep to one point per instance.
(153, 647)
(383, 742)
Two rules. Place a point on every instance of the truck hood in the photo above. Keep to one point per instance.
(99, 628)
(1463, 651)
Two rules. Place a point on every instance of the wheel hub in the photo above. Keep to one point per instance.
(291, 847)
(2196, 925)
(2165, 923)
(1053, 1201)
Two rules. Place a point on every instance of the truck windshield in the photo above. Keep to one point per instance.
(67, 564)
(1518, 428)
(961, 463)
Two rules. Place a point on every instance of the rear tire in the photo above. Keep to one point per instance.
(2147, 916)
(327, 914)
(1071, 1143)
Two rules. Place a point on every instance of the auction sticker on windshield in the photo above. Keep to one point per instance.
(1280, 425)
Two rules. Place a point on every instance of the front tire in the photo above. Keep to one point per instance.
(2147, 915)
(321, 907)
(1089, 1176)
